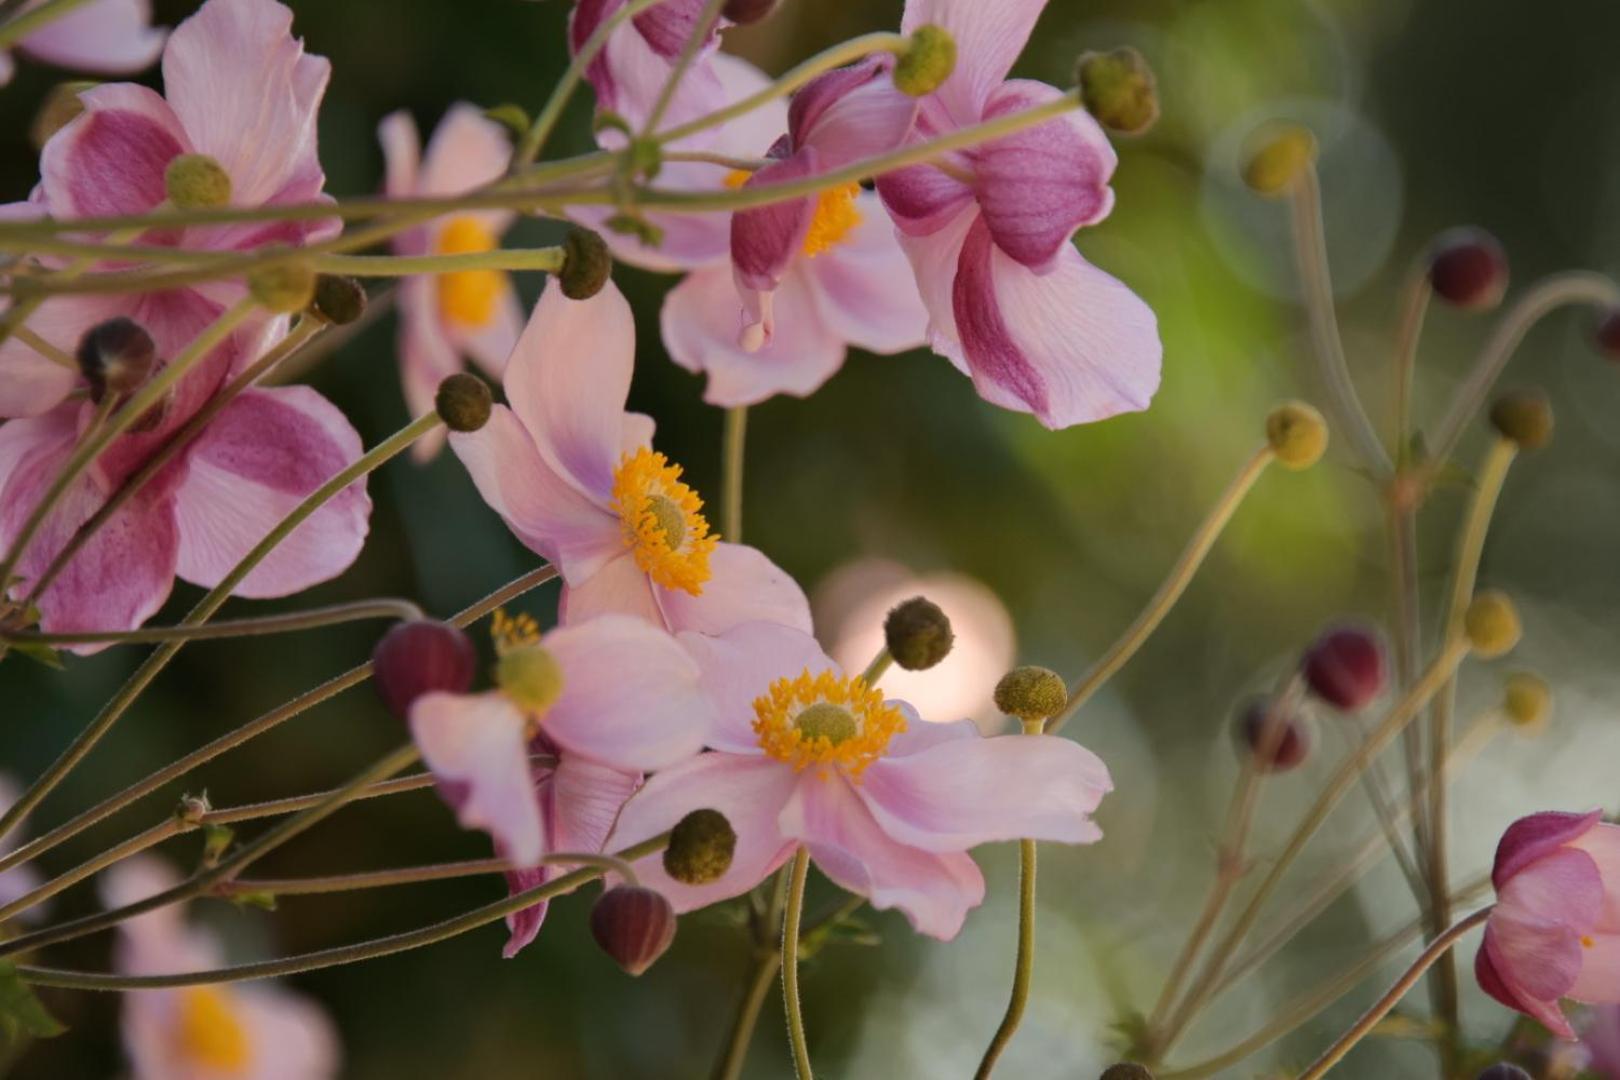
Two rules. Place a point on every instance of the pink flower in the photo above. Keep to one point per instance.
(631, 70)
(255, 1031)
(601, 702)
(107, 37)
(1600, 1037)
(1555, 931)
(468, 313)
(252, 463)
(887, 805)
(240, 90)
(576, 479)
(1011, 301)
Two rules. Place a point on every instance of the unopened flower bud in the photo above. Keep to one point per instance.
(918, 634)
(700, 848)
(1126, 1070)
(1276, 739)
(744, 12)
(1117, 88)
(1282, 154)
(1607, 333)
(1527, 701)
(530, 676)
(196, 182)
(1031, 693)
(1468, 269)
(463, 402)
(1505, 1070)
(1345, 667)
(62, 106)
(420, 656)
(928, 60)
(1297, 433)
(634, 925)
(283, 289)
(339, 299)
(192, 809)
(1524, 417)
(115, 357)
(587, 264)
(1492, 624)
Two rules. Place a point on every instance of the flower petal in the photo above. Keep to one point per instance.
(402, 153)
(619, 587)
(426, 357)
(1536, 835)
(258, 459)
(1599, 980)
(766, 239)
(935, 891)
(746, 587)
(1550, 959)
(631, 696)
(292, 1036)
(108, 37)
(851, 113)
(988, 38)
(750, 790)
(467, 150)
(110, 159)
(740, 666)
(475, 746)
(30, 383)
(864, 289)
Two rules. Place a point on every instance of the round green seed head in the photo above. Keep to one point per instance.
(587, 264)
(1031, 693)
(1524, 417)
(1527, 700)
(700, 847)
(1282, 155)
(197, 182)
(1118, 89)
(928, 60)
(1297, 433)
(284, 289)
(1492, 624)
(463, 402)
(531, 677)
(824, 720)
(918, 634)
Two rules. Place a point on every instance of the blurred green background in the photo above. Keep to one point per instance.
(1431, 114)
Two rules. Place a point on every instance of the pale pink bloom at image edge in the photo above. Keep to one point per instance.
(106, 37)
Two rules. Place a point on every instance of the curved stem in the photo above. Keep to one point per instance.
(767, 962)
(413, 875)
(1414, 306)
(732, 446)
(547, 259)
(288, 622)
(1023, 965)
(1181, 574)
(790, 964)
(345, 954)
(1438, 948)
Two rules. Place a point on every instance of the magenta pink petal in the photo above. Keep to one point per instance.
(1536, 835)
(766, 239)
(850, 114)
(31, 384)
(110, 161)
(744, 587)
(989, 37)
(922, 199)
(475, 746)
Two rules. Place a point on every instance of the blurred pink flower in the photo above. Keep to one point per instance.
(239, 89)
(106, 37)
(631, 70)
(1555, 931)
(576, 479)
(887, 806)
(255, 1031)
(629, 700)
(1600, 1036)
(443, 317)
(1011, 302)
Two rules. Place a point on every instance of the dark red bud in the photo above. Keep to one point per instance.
(1345, 667)
(1607, 333)
(634, 925)
(1278, 740)
(1467, 268)
(1504, 1070)
(420, 656)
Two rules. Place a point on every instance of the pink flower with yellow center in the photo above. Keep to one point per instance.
(576, 479)
(106, 37)
(887, 805)
(255, 1031)
(443, 317)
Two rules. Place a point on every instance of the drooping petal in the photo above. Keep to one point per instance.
(108, 37)
(935, 891)
(740, 666)
(1536, 835)
(750, 790)
(568, 379)
(246, 93)
(851, 113)
(475, 746)
(619, 587)
(258, 459)
(962, 793)
(923, 199)
(746, 587)
(631, 696)
(1561, 888)
(1496, 983)
(988, 39)
(110, 160)
(864, 289)
(29, 382)
(1548, 956)
(766, 239)
(1035, 187)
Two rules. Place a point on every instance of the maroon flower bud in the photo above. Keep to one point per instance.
(419, 656)
(1345, 667)
(634, 925)
(116, 357)
(1277, 739)
(1607, 333)
(1467, 268)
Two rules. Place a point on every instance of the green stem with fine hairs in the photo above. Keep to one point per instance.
(790, 964)
(732, 447)
(290, 622)
(1024, 960)
(412, 875)
(547, 259)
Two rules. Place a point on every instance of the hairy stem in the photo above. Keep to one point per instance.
(289, 622)
(790, 964)
(732, 447)
(546, 259)
(1023, 964)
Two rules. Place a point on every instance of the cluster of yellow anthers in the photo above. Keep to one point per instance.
(210, 1032)
(468, 297)
(513, 631)
(825, 719)
(663, 521)
(835, 215)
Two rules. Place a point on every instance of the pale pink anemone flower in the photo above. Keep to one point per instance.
(1011, 302)
(1555, 931)
(256, 1031)
(106, 37)
(887, 805)
(207, 508)
(240, 89)
(596, 705)
(630, 71)
(443, 317)
(576, 479)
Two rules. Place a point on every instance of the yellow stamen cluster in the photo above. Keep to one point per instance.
(511, 632)
(662, 521)
(209, 1033)
(797, 721)
(468, 297)
(835, 217)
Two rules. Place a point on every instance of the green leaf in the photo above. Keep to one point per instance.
(22, 1017)
(38, 653)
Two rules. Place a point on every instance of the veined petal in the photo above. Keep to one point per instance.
(30, 383)
(110, 160)
(1536, 835)
(618, 587)
(744, 587)
(923, 199)
(475, 746)
(740, 666)
(766, 239)
(1500, 985)
(988, 38)
(864, 289)
(108, 37)
(851, 113)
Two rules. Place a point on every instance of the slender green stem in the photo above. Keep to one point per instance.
(725, 161)
(345, 954)
(880, 664)
(790, 964)
(1380, 1008)
(289, 622)
(1401, 522)
(546, 259)
(13, 31)
(1377, 789)
(251, 730)
(766, 963)
(706, 20)
(732, 447)
(1310, 252)
(1023, 965)
(412, 875)
(204, 610)
(1181, 575)
(1414, 306)
(45, 348)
